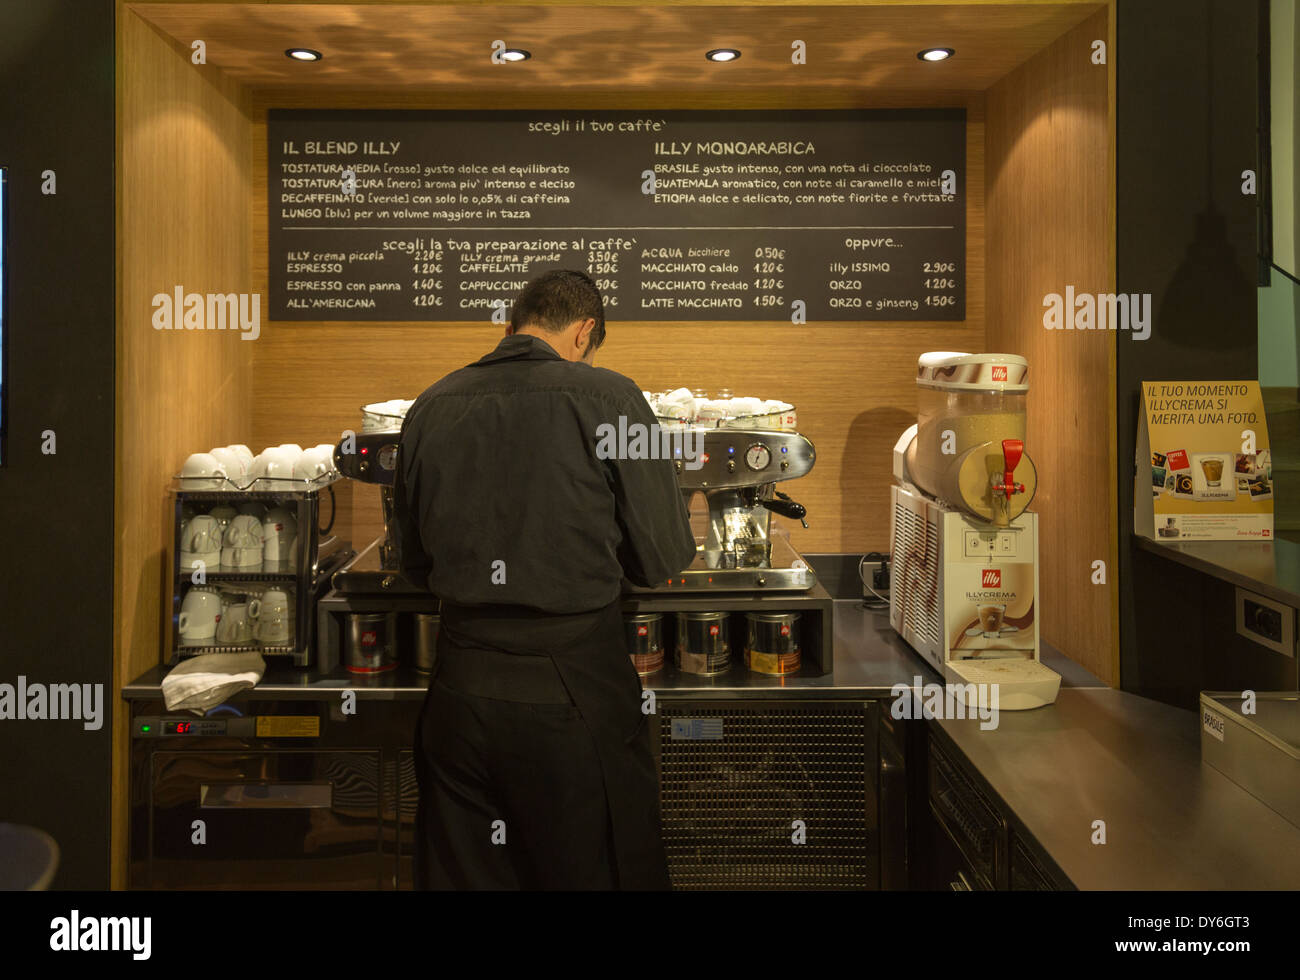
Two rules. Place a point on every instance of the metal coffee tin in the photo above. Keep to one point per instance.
(703, 642)
(426, 641)
(370, 642)
(645, 641)
(772, 642)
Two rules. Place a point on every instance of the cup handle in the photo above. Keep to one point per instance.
(254, 607)
(183, 623)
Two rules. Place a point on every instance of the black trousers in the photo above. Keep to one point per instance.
(511, 796)
(533, 759)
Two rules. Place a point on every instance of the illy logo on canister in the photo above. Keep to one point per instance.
(991, 578)
(999, 372)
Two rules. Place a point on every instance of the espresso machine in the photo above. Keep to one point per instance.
(743, 563)
(748, 604)
(964, 581)
(371, 457)
(374, 620)
(736, 471)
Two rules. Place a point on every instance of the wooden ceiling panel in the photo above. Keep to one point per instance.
(445, 47)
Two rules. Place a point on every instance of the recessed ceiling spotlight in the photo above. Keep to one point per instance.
(515, 54)
(303, 54)
(935, 54)
(722, 54)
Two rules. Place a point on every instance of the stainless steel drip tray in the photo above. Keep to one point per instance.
(786, 572)
(1259, 751)
(366, 576)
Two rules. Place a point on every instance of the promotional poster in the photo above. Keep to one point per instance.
(1204, 466)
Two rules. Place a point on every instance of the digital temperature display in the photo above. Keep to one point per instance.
(155, 727)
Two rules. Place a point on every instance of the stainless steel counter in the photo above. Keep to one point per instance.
(1096, 754)
(1171, 821)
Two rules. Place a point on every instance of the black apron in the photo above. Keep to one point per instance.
(589, 652)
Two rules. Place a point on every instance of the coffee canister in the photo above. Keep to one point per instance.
(370, 642)
(703, 642)
(772, 642)
(426, 641)
(645, 641)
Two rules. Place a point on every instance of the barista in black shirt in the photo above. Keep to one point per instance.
(533, 751)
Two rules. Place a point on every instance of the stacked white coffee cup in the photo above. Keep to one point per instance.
(212, 616)
(247, 535)
(284, 467)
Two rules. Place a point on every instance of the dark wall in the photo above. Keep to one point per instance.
(1187, 90)
(56, 559)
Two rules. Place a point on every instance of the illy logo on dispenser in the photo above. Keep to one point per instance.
(991, 578)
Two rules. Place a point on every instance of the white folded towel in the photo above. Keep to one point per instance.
(206, 680)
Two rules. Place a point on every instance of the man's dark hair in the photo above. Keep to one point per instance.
(555, 299)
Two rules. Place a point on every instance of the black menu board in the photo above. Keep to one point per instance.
(681, 215)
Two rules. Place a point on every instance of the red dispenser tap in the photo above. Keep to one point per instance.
(1012, 450)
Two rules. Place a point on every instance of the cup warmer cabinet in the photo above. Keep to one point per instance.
(318, 554)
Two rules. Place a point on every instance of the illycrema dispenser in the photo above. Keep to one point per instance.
(964, 584)
(967, 449)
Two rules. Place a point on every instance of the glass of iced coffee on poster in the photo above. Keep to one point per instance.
(991, 617)
(1212, 467)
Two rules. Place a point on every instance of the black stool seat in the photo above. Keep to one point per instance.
(28, 858)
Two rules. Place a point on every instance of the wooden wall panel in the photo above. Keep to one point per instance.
(1051, 206)
(852, 383)
(183, 219)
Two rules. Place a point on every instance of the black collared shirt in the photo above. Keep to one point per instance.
(501, 496)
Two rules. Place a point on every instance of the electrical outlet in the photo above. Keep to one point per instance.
(1263, 620)
(1267, 622)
